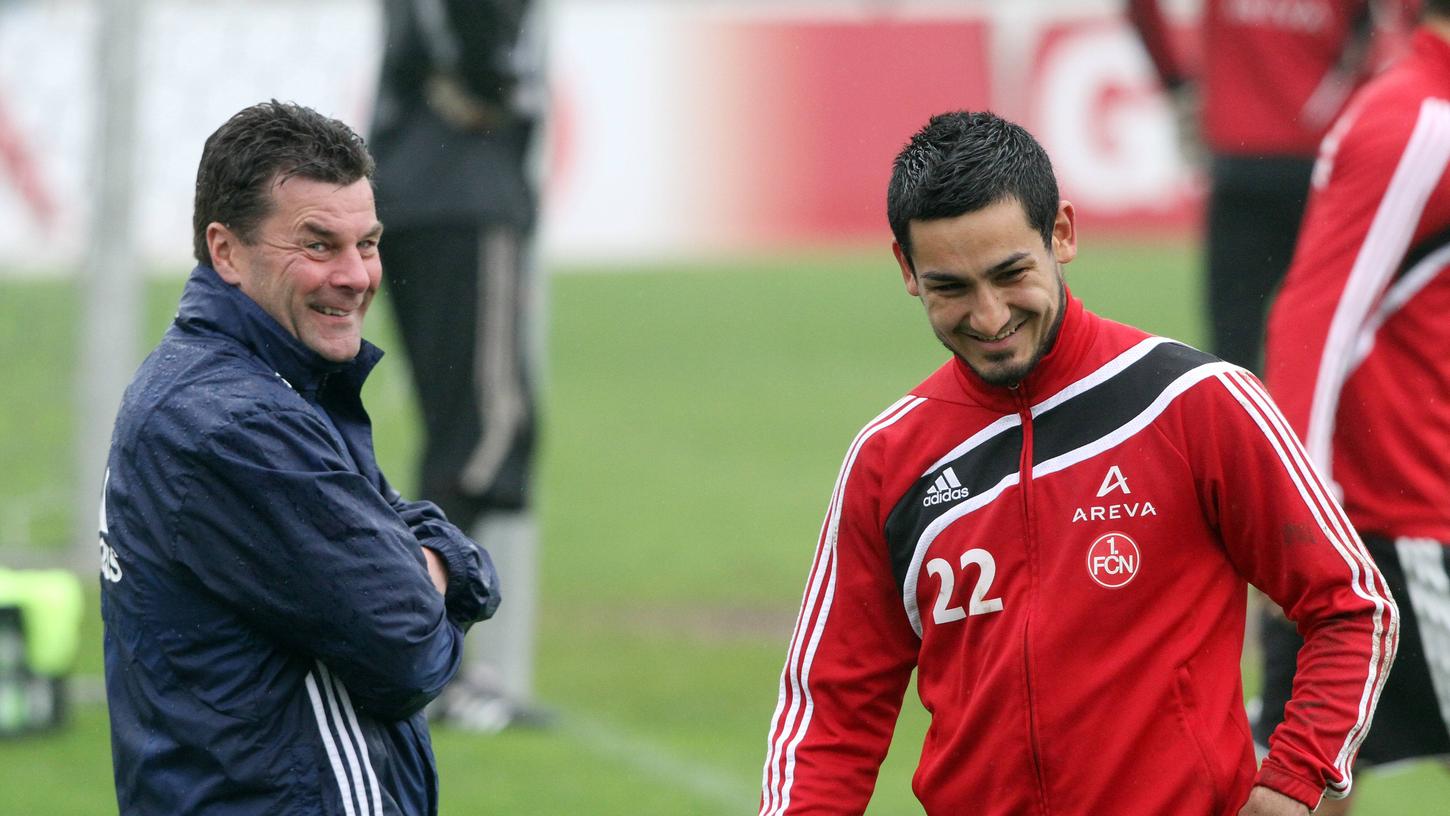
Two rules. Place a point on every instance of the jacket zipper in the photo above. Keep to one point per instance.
(1024, 410)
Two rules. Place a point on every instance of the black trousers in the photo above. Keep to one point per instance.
(1254, 208)
(460, 294)
(1409, 722)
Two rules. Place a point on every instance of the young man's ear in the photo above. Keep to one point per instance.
(1064, 233)
(908, 275)
(225, 248)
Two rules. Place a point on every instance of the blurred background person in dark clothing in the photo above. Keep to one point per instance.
(460, 102)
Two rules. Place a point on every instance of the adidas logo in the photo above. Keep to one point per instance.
(946, 488)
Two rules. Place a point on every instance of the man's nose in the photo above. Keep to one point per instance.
(990, 313)
(353, 271)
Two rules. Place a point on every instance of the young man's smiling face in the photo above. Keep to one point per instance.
(313, 264)
(994, 294)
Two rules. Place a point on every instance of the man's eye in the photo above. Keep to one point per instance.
(317, 246)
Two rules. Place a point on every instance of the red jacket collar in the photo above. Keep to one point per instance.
(1429, 45)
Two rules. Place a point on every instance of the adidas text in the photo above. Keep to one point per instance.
(943, 496)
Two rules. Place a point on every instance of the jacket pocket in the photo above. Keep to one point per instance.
(1190, 721)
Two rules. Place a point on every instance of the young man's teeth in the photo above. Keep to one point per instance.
(328, 310)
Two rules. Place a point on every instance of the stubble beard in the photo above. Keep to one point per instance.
(1007, 376)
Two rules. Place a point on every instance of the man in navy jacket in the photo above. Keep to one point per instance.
(276, 614)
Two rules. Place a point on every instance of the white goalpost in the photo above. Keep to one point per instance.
(109, 284)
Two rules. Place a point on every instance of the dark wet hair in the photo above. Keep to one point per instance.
(965, 161)
(259, 146)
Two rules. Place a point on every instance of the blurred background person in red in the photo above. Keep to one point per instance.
(1356, 359)
(1253, 99)
(1254, 95)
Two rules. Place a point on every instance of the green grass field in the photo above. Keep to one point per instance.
(694, 423)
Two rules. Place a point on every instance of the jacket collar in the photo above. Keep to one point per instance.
(211, 305)
(1430, 46)
(1057, 368)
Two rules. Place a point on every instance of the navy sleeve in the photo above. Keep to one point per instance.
(473, 591)
(275, 522)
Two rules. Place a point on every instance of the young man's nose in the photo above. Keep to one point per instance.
(990, 314)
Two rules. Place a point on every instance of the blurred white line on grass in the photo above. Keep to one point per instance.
(733, 794)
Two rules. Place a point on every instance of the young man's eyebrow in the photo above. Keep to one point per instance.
(942, 277)
(1010, 260)
(1000, 266)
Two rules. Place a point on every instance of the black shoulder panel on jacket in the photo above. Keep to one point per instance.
(971, 471)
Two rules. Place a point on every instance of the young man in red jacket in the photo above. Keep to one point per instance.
(1356, 357)
(1056, 530)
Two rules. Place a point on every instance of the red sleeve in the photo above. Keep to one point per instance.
(1147, 18)
(1376, 170)
(850, 657)
(1287, 535)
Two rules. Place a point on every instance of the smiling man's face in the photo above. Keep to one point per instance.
(313, 264)
(993, 293)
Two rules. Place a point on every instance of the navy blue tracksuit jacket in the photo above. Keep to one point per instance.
(271, 633)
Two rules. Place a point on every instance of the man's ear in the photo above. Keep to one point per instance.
(908, 275)
(1064, 233)
(226, 249)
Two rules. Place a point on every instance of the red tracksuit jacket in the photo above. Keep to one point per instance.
(1356, 351)
(1065, 565)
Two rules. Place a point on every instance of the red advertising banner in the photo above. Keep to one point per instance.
(816, 111)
